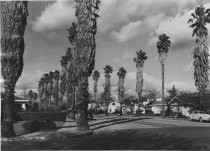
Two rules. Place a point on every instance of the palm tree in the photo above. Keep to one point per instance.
(163, 46)
(121, 74)
(41, 92)
(199, 19)
(50, 89)
(63, 62)
(30, 97)
(95, 76)
(107, 88)
(13, 22)
(83, 54)
(56, 87)
(35, 96)
(46, 79)
(139, 60)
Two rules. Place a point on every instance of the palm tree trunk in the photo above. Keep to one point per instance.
(163, 101)
(7, 129)
(95, 97)
(121, 109)
(82, 105)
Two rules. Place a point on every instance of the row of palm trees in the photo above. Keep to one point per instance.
(48, 88)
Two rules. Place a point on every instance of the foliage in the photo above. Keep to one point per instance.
(172, 92)
(43, 116)
(36, 125)
(139, 60)
(163, 44)
(107, 88)
(121, 74)
(13, 22)
(199, 19)
(95, 76)
(129, 99)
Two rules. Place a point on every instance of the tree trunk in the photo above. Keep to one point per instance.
(7, 129)
(121, 109)
(163, 101)
(81, 117)
(82, 104)
(72, 114)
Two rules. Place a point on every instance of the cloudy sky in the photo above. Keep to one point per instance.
(124, 26)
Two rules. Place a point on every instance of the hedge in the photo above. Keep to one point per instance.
(41, 116)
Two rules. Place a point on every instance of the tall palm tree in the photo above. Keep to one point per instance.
(30, 97)
(63, 62)
(13, 22)
(121, 74)
(35, 96)
(107, 88)
(163, 46)
(46, 79)
(139, 60)
(95, 76)
(83, 54)
(56, 88)
(41, 92)
(199, 19)
(50, 89)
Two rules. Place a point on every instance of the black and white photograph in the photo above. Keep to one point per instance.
(105, 75)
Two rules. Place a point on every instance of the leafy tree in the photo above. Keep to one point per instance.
(107, 88)
(96, 76)
(13, 22)
(172, 92)
(139, 60)
(121, 74)
(163, 45)
(198, 22)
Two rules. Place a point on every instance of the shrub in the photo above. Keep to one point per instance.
(116, 112)
(41, 116)
(100, 111)
(34, 126)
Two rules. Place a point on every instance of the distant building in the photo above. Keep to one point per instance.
(176, 105)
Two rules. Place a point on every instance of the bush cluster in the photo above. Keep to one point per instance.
(35, 125)
(40, 116)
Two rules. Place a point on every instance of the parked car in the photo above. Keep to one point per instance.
(199, 116)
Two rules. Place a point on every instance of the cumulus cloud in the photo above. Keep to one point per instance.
(127, 32)
(177, 29)
(58, 15)
(29, 80)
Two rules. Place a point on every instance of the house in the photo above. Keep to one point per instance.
(113, 106)
(20, 103)
(176, 105)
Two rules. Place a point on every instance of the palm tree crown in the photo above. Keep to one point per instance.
(163, 44)
(108, 69)
(141, 57)
(121, 73)
(96, 75)
(199, 20)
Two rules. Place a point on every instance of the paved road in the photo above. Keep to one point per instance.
(128, 132)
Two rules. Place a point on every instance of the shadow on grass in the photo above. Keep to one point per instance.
(114, 122)
(138, 139)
